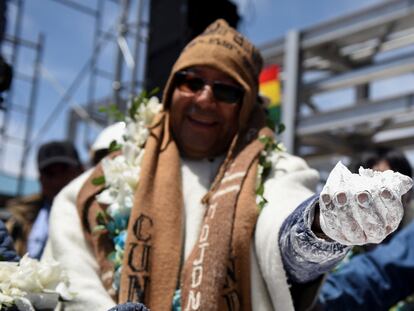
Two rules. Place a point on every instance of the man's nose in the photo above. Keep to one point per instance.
(205, 97)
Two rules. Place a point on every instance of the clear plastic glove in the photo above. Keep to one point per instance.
(357, 209)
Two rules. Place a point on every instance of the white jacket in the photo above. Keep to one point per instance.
(289, 184)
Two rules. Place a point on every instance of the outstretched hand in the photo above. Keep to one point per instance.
(357, 209)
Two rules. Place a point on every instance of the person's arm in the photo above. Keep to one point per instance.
(353, 209)
(7, 252)
(305, 255)
(375, 280)
(68, 246)
(290, 183)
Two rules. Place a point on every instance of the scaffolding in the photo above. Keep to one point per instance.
(348, 54)
(127, 76)
(12, 44)
(128, 36)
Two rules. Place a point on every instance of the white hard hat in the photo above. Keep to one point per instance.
(112, 132)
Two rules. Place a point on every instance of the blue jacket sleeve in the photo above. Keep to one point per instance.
(7, 252)
(375, 280)
(305, 256)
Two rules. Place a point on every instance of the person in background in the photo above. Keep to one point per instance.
(374, 280)
(221, 218)
(58, 163)
(386, 158)
(7, 252)
(101, 146)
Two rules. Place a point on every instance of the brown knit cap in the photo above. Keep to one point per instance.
(223, 48)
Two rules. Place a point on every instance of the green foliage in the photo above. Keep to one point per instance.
(98, 181)
(99, 228)
(113, 112)
(101, 218)
(114, 146)
(136, 102)
(270, 146)
(280, 128)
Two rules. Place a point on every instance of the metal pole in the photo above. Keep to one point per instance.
(31, 111)
(134, 71)
(292, 65)
(92, 77)
(147, 10)
(14, 58)
(122, 30)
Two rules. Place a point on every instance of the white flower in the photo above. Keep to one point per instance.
(137, 133)
(147, 112)
(131, 153)
(107, 196)
(281, 147)
(123, 203)
(5, 299)
(118, 172)
(31, 276)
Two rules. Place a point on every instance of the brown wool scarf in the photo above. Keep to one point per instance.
(216, 276)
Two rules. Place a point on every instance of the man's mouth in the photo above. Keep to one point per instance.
(202, 121)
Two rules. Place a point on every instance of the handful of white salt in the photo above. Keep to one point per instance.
(362, 208)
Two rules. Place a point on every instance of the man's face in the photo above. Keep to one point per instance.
(203, 123)
(56, 176)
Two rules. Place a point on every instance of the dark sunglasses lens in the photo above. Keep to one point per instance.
(227, 93)
(187, 83)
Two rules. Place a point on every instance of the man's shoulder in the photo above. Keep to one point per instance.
(25, 207)
(33, 200)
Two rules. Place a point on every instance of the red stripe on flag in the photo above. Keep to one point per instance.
(269, 73)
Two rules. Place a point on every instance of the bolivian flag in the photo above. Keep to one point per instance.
(269, 86)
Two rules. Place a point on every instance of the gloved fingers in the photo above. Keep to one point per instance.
(362, 208)
(338, 220)
(368, 210)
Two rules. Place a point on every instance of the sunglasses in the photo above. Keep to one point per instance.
(189, 82)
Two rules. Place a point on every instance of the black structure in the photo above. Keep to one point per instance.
(173, 23)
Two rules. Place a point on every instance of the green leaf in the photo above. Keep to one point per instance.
(261, 205)
(265, 140)
(111, 256)
(154, 91)
(260, 190)
(103, 109)
(113, 112)
(101, 218)
(280, 128)
(114, 146)
(98, 228)
(270, 123)
(266, 172)
(98, 181)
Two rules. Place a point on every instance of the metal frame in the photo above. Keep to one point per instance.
(134, 29)
(27, 110)
(350, 52)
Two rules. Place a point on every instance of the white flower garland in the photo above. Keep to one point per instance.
(121, 175)
(266, 161)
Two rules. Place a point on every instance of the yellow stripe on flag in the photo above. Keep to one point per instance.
(271, 89)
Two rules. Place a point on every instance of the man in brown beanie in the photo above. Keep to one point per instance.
(195, 237)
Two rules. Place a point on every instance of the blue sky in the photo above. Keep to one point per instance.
(68, 46)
